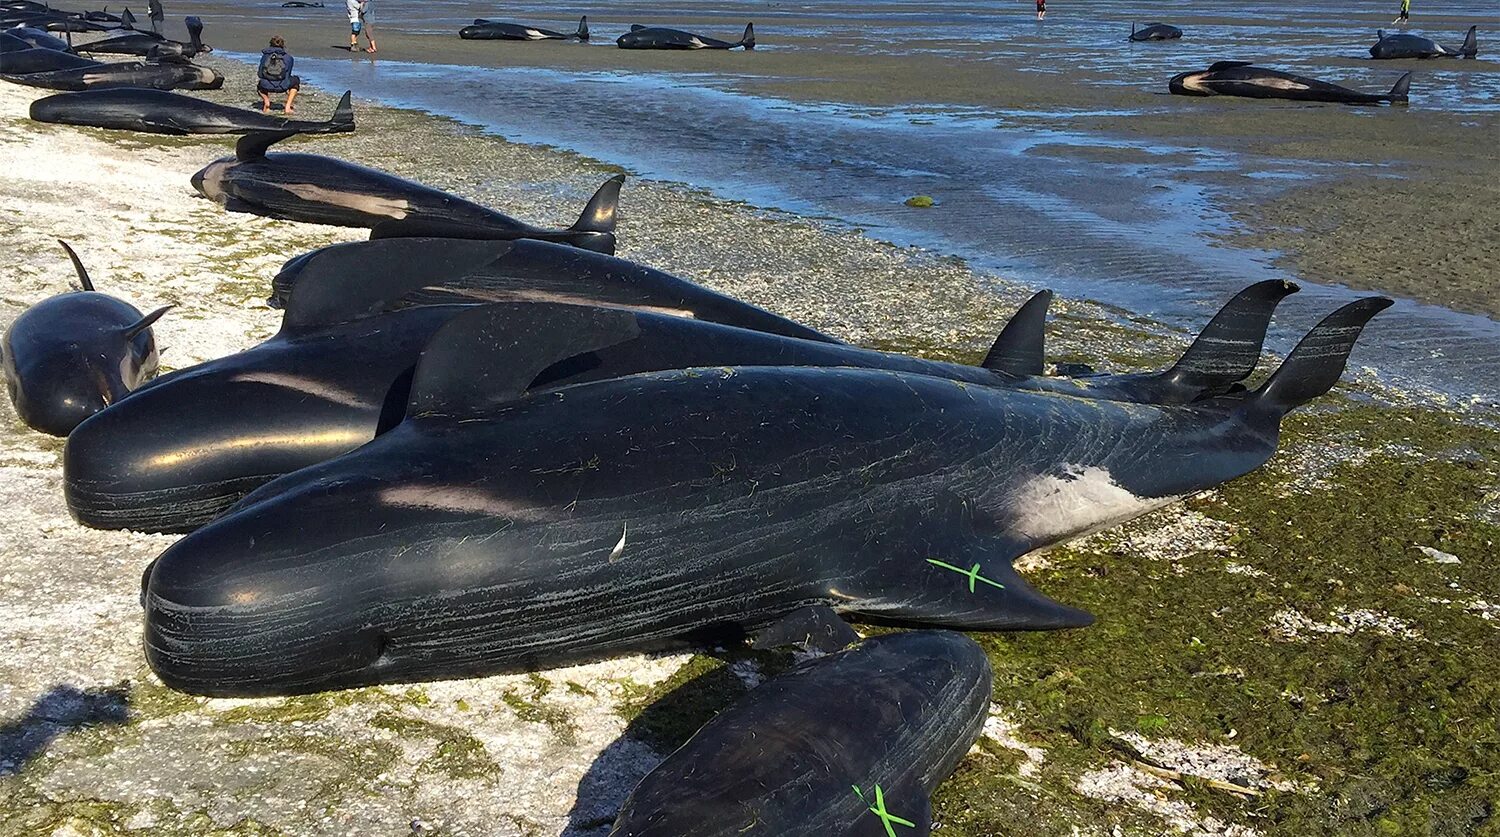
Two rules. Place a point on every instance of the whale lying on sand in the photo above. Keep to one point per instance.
(1242, 78)
(323, 190)
(1406, 45)
(660, 37)
(41, 60)
(494, 530)
(149, 43)
(495, 30)
(853, 743)
(71, 355)
(167, 73)
(160, 112)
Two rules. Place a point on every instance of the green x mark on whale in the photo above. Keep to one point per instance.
(972, 574)
(878, 809)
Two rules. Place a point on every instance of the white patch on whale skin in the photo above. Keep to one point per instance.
(527, 295)
(311, 386)
(1280, 83)
(368, 204)
(1196, 84)
(1050, 509)
(614, 554)
(534, 35)
(459, 498)
(697, 43)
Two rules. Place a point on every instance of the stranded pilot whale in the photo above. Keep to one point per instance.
(160, 112)
(149, 43)
(1155, 32)
(1407, 45)
(495, 531)
(164, 73)
(324, 190)
(660, 37)
(494, 30)
(31, 60)
(184, 448)
(71, 355)
(842, 744)
(1241, 78)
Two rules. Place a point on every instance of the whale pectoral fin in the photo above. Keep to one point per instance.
(1020, 347)
(486, 357)
(816, 628)
(904, 809)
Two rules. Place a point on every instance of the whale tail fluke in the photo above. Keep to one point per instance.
(1020, 348)
(1470, 47)
(748, 39)
(583, 29)
(83, 274)
(1229, 347)
(1316, 364)
(1401, 90)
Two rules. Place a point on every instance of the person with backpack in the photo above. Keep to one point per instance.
(275, 75)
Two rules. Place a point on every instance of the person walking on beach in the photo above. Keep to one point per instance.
(1405, 16)
(359, 11)
(275, 76)
(1041, 9)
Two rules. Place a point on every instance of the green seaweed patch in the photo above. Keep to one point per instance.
(458, 754)
(535, 709)
(1386, 726)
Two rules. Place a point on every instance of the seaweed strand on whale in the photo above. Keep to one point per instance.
(494, 530)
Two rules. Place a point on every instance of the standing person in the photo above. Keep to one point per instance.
(275, 75)
(1405, 16)
(1041, 9)
(358, 12)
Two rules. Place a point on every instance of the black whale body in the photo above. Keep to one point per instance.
(41, 60)
(164, 74)
(1155, 32)
(322, 190)
(1407, 45)
(1242, 78)
(495, 30)
(160, 112)
(803, 754)
(660, 37)
(150, 43)
(495, 530)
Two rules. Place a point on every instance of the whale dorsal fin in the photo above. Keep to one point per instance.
(1020, 347)
(83, 274)
(253, 146)
(347, 282)
(1228, 65)
(636, 27)
(489, 355)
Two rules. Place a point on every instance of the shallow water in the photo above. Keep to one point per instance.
(1032, 193)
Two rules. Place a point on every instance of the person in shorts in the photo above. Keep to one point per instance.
(1041, 9)
(359, 14)
(274, 75)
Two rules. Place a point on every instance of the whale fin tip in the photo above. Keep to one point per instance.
(146, 322)
(1318, 361)
(1021, 345)
(1227, 350)
(83, 274)
(815, 627)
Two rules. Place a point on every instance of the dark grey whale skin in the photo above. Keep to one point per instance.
(156, 75)
(161, 112)
(1241, 78)
(898, 711)
(498, 530)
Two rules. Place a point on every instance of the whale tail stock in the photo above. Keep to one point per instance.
(583, 29)
(1470, 46)
(748, 39)
(594, 230)
(1400, 90)
(1316, 364)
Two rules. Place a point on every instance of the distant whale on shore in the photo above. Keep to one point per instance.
(151, 44)
(71, 355)
(159, 112)
(1406, 45)
(1242, 78)
(1155, 32)
(660, 37)
(323, 190)
(494, 30)
(298, 4)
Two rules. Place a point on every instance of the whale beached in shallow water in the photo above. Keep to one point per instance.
(660, 37)
(1242, 78)
(840, 745)
(71, 355)
(193, 442)
(150, 43)
(1407, 45)
(1155, 32)
(495, 531)
(160, 112)
(168, 73)
(495, 30)
(323, 190)
(296, 4)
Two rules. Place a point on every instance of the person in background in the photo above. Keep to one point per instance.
(358, 22)
(275, 76)
(1041, 9)
(1405, 16)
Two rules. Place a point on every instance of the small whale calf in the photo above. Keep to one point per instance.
(322, 190)
(660, 37)
(853, 743)
(495, 529)
(1243, 78)
(159, 112)
(1155, 32)
(494, 30)
(70, 356)
(1407, 45)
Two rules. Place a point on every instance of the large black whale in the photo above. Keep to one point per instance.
(1407, 45)
(494, 530)
(496, 30)
(660, 37)
(71, 355)
(151, 43)
(165, 73)
(847, 744)
(1242, 78)
(160, 112)
(322, 190)
(1155, 32)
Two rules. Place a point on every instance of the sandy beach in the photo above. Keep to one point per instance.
(1308, 650)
